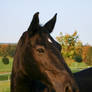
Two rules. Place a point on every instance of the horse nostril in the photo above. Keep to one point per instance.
(68, 89)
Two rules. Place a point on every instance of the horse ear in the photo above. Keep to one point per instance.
(35, 22)
(51, 23)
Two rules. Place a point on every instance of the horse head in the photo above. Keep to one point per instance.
(38, 57)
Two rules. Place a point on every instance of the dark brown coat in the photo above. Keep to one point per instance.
(38, 64)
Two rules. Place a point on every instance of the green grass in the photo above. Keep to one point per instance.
(75, 70)
(4, 86)
(76, 67)
(4, 77)
(79, 65)
(7, 67)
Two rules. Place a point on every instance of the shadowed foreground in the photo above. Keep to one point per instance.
(84, 80)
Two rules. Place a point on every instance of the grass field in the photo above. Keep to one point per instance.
(5, 75)
(4, 86)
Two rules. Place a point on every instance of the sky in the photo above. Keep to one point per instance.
(16, 15)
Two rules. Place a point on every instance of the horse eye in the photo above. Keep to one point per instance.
(40, 50)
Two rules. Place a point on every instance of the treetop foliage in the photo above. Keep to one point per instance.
(72, 47)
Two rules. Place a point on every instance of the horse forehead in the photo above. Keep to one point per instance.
(42, 34)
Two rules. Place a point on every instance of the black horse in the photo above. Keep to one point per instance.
(38, 64)
(84, 80)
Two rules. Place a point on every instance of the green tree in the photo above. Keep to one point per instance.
(71, 45)
(5, 60)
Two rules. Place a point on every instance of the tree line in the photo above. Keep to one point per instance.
(72, 48)
(7, 49)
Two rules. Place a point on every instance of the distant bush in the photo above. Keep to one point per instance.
(5, 60)
(78, 58)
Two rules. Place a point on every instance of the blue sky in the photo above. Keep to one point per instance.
(16, 15)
